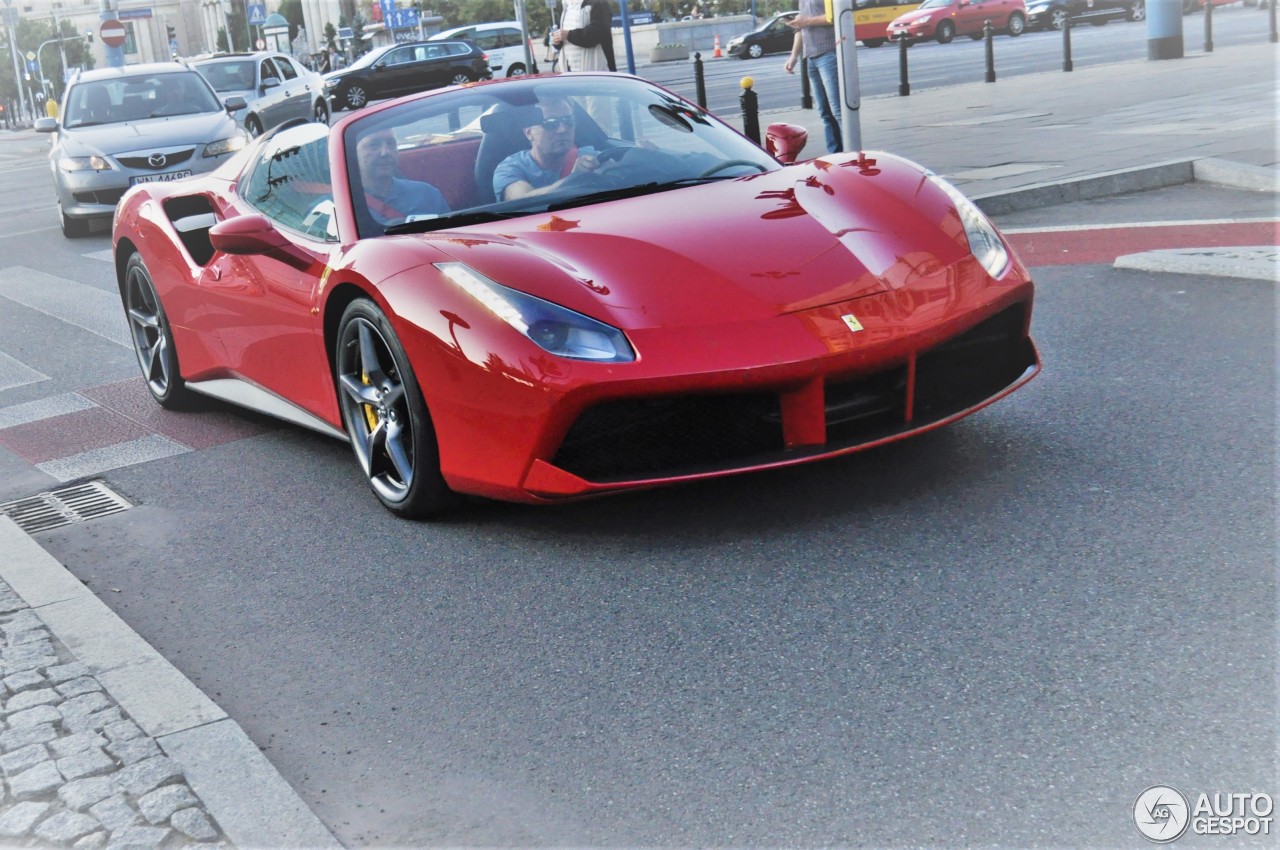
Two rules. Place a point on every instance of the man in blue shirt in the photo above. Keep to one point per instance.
(393, 199)
(551, 158)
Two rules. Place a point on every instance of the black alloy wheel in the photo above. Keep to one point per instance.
(1137, 11)
(1058, 19)
(355, 96)
(460, 77)
(385, 415)
(152, 337)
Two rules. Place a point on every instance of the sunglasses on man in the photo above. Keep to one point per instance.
(553, 124)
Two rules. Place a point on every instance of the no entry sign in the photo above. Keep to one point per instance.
(112, 33)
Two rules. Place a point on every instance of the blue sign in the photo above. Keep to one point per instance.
(257, 14)
(129, 14)
(403, 19)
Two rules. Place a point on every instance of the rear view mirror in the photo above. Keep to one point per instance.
(235, 102)
(785, 141)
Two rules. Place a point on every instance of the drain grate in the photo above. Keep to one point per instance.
(65, 506)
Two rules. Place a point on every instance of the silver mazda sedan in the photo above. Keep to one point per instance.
(137, 124)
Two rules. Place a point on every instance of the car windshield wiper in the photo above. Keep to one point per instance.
(444, 222)
(629, 192)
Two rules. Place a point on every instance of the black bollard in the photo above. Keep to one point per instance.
(904, 87)
(1271, 14)
(750, 111)
(989, 33)
(1066, 45)
(700, 80)
(806, 91)
(1208, 26)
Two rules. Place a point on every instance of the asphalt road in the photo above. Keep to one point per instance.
(997, 634)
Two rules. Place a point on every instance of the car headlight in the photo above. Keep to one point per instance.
(923, 20)
(84, 163)
(985, 243)
(1037, 9)
(331, 84)
(556, 329)
(231, 144)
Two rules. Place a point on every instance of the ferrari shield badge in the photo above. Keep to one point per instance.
(852, 321)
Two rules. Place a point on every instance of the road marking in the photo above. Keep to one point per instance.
(87, 307)
(106, 255)
(14, 373)
(43, 408)
(97, 461)
(1197, 222)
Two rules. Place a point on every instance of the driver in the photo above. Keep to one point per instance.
(392, 199)
(551, 159)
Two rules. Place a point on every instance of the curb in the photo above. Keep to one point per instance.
(1261, 263)
(1236, 175)
(1103, 184)
(239, 787)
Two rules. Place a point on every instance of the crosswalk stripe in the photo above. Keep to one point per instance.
(14, 373)
(87, 307)
(43, 408)
(97, 461)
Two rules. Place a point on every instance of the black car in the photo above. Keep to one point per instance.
(404, 69)
(773, 36)
(1053, 14)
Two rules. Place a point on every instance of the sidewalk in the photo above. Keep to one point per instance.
(103, 743)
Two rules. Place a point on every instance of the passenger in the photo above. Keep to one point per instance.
(393, 199)
(552, 158)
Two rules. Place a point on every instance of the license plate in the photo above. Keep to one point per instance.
(162, 178)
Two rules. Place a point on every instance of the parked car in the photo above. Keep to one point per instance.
(1053, 14)
(692, 308)
(275, 87)
(503, 43)
(398, 69)
(120, 127)
(772, 36)
(945, 19)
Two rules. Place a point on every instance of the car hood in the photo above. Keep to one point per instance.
(915, 15)
(149, 133)
(794, 239)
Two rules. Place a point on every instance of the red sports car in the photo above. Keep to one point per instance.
(546, 288)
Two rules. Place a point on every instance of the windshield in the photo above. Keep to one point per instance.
(229, 76)
(121, 99)
(935, 4)
(529, 146)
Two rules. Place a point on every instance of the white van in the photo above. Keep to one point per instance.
(501, 42)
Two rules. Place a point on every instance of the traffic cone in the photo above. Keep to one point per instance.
(717, 54)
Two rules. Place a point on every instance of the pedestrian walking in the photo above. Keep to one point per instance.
(585, 37)
(815, 40)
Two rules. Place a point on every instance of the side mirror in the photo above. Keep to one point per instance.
(785, 141)
(270, 83)
(235, 103)
(255, 234)
(246, 234)
(46, 125)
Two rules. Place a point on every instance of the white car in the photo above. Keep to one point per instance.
(276, 87)
(502, 43)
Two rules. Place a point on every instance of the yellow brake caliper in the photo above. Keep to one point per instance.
(370, 413)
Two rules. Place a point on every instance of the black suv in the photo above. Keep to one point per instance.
(1053, 14)
(404, 69)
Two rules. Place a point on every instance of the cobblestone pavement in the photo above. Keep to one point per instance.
(78, 772)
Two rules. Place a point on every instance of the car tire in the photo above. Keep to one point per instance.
(872, 42)
(1017, 24)
(1136, 11)
(355, 96)
(72, 228)
(253, 126)
(320, 113)
(1058, 19)
(460, 78)
(946, 32)
(516, 70)
(152, 337)
(385, 415)
(755, 51)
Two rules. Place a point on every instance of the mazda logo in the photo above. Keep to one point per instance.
(156, 160)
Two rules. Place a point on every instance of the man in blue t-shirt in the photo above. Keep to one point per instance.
(393, 199)
(551, 159)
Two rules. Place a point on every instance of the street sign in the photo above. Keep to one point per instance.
(257, 14)
(112, 33)
(260, 44)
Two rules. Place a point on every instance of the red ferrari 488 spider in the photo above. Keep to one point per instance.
(547, 288)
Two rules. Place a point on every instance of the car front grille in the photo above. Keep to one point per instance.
(143, 161)
(634, 439)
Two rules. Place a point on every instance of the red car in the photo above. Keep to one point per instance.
(945, 19)
(651, 298)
